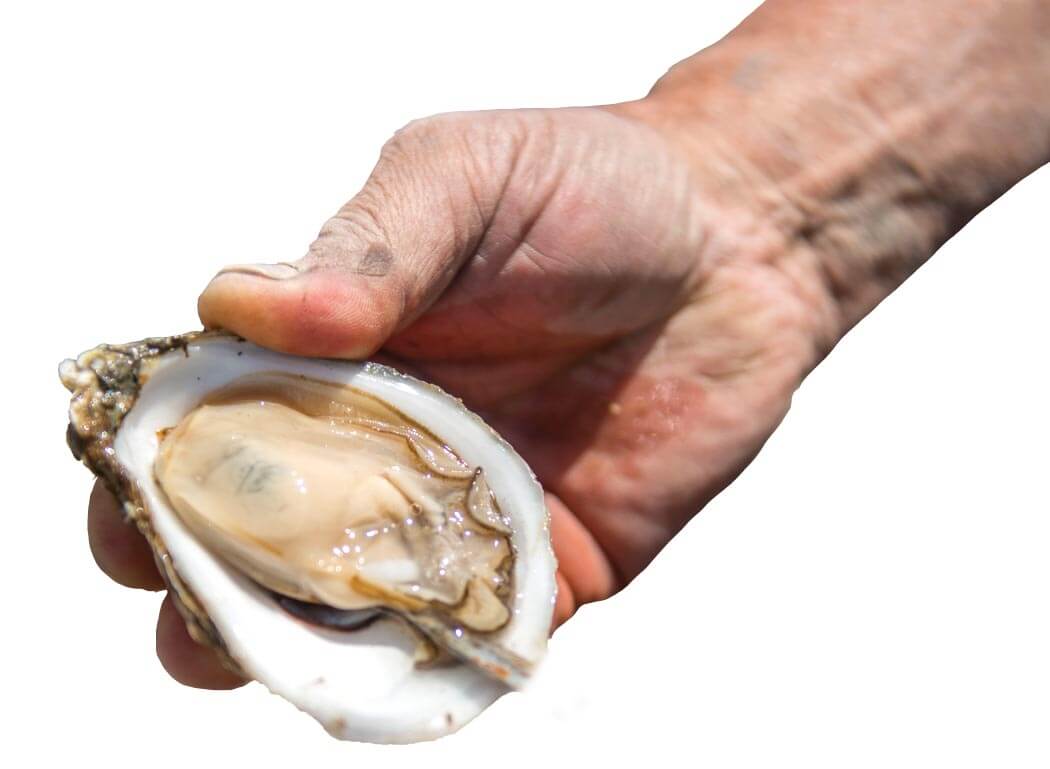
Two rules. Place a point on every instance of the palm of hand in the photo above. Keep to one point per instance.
(579, 290)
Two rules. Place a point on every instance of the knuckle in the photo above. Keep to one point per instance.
(439, 139)
(415, 138)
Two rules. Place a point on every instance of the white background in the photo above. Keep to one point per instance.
(873, 590)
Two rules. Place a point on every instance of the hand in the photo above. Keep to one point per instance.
(568, 276)
(631, 294)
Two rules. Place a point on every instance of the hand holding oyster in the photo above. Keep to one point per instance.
(565, 272)
(349, 536)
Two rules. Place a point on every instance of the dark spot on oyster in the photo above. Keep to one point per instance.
(326, 616)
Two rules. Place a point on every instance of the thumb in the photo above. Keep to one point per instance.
(379, 262)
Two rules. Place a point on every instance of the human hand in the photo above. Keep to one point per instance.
(629, 294)
(566, 274)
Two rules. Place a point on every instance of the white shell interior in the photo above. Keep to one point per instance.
(361, 685)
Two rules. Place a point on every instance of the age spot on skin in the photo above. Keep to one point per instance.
(375, 262)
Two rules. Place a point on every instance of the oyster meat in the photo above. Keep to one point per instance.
(351, 537)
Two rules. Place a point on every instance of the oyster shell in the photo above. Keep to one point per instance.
(327, 526)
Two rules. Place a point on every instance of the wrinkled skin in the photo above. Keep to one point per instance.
(567, 280)
(631, 294)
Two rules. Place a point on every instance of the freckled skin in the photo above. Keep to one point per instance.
(631, 294)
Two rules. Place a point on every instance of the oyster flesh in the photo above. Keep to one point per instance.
(349, 536)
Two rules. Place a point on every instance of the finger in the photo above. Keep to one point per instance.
(188, 662)
(564, 605)
(119, 550)
(582, 564)
(380, 262)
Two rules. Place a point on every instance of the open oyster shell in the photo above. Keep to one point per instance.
(357, 674)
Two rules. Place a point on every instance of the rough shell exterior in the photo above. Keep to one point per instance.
(105, 383)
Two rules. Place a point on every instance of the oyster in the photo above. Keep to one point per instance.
(349, 536)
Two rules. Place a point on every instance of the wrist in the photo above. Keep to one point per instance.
(862, 151)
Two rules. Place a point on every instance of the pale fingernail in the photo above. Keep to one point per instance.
(279, 271)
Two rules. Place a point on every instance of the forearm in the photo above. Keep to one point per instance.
(871, 132)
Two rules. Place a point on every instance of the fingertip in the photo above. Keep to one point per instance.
(188, 662)
(564, 603)
(582, 564)
(320, 313)
(242, 304)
